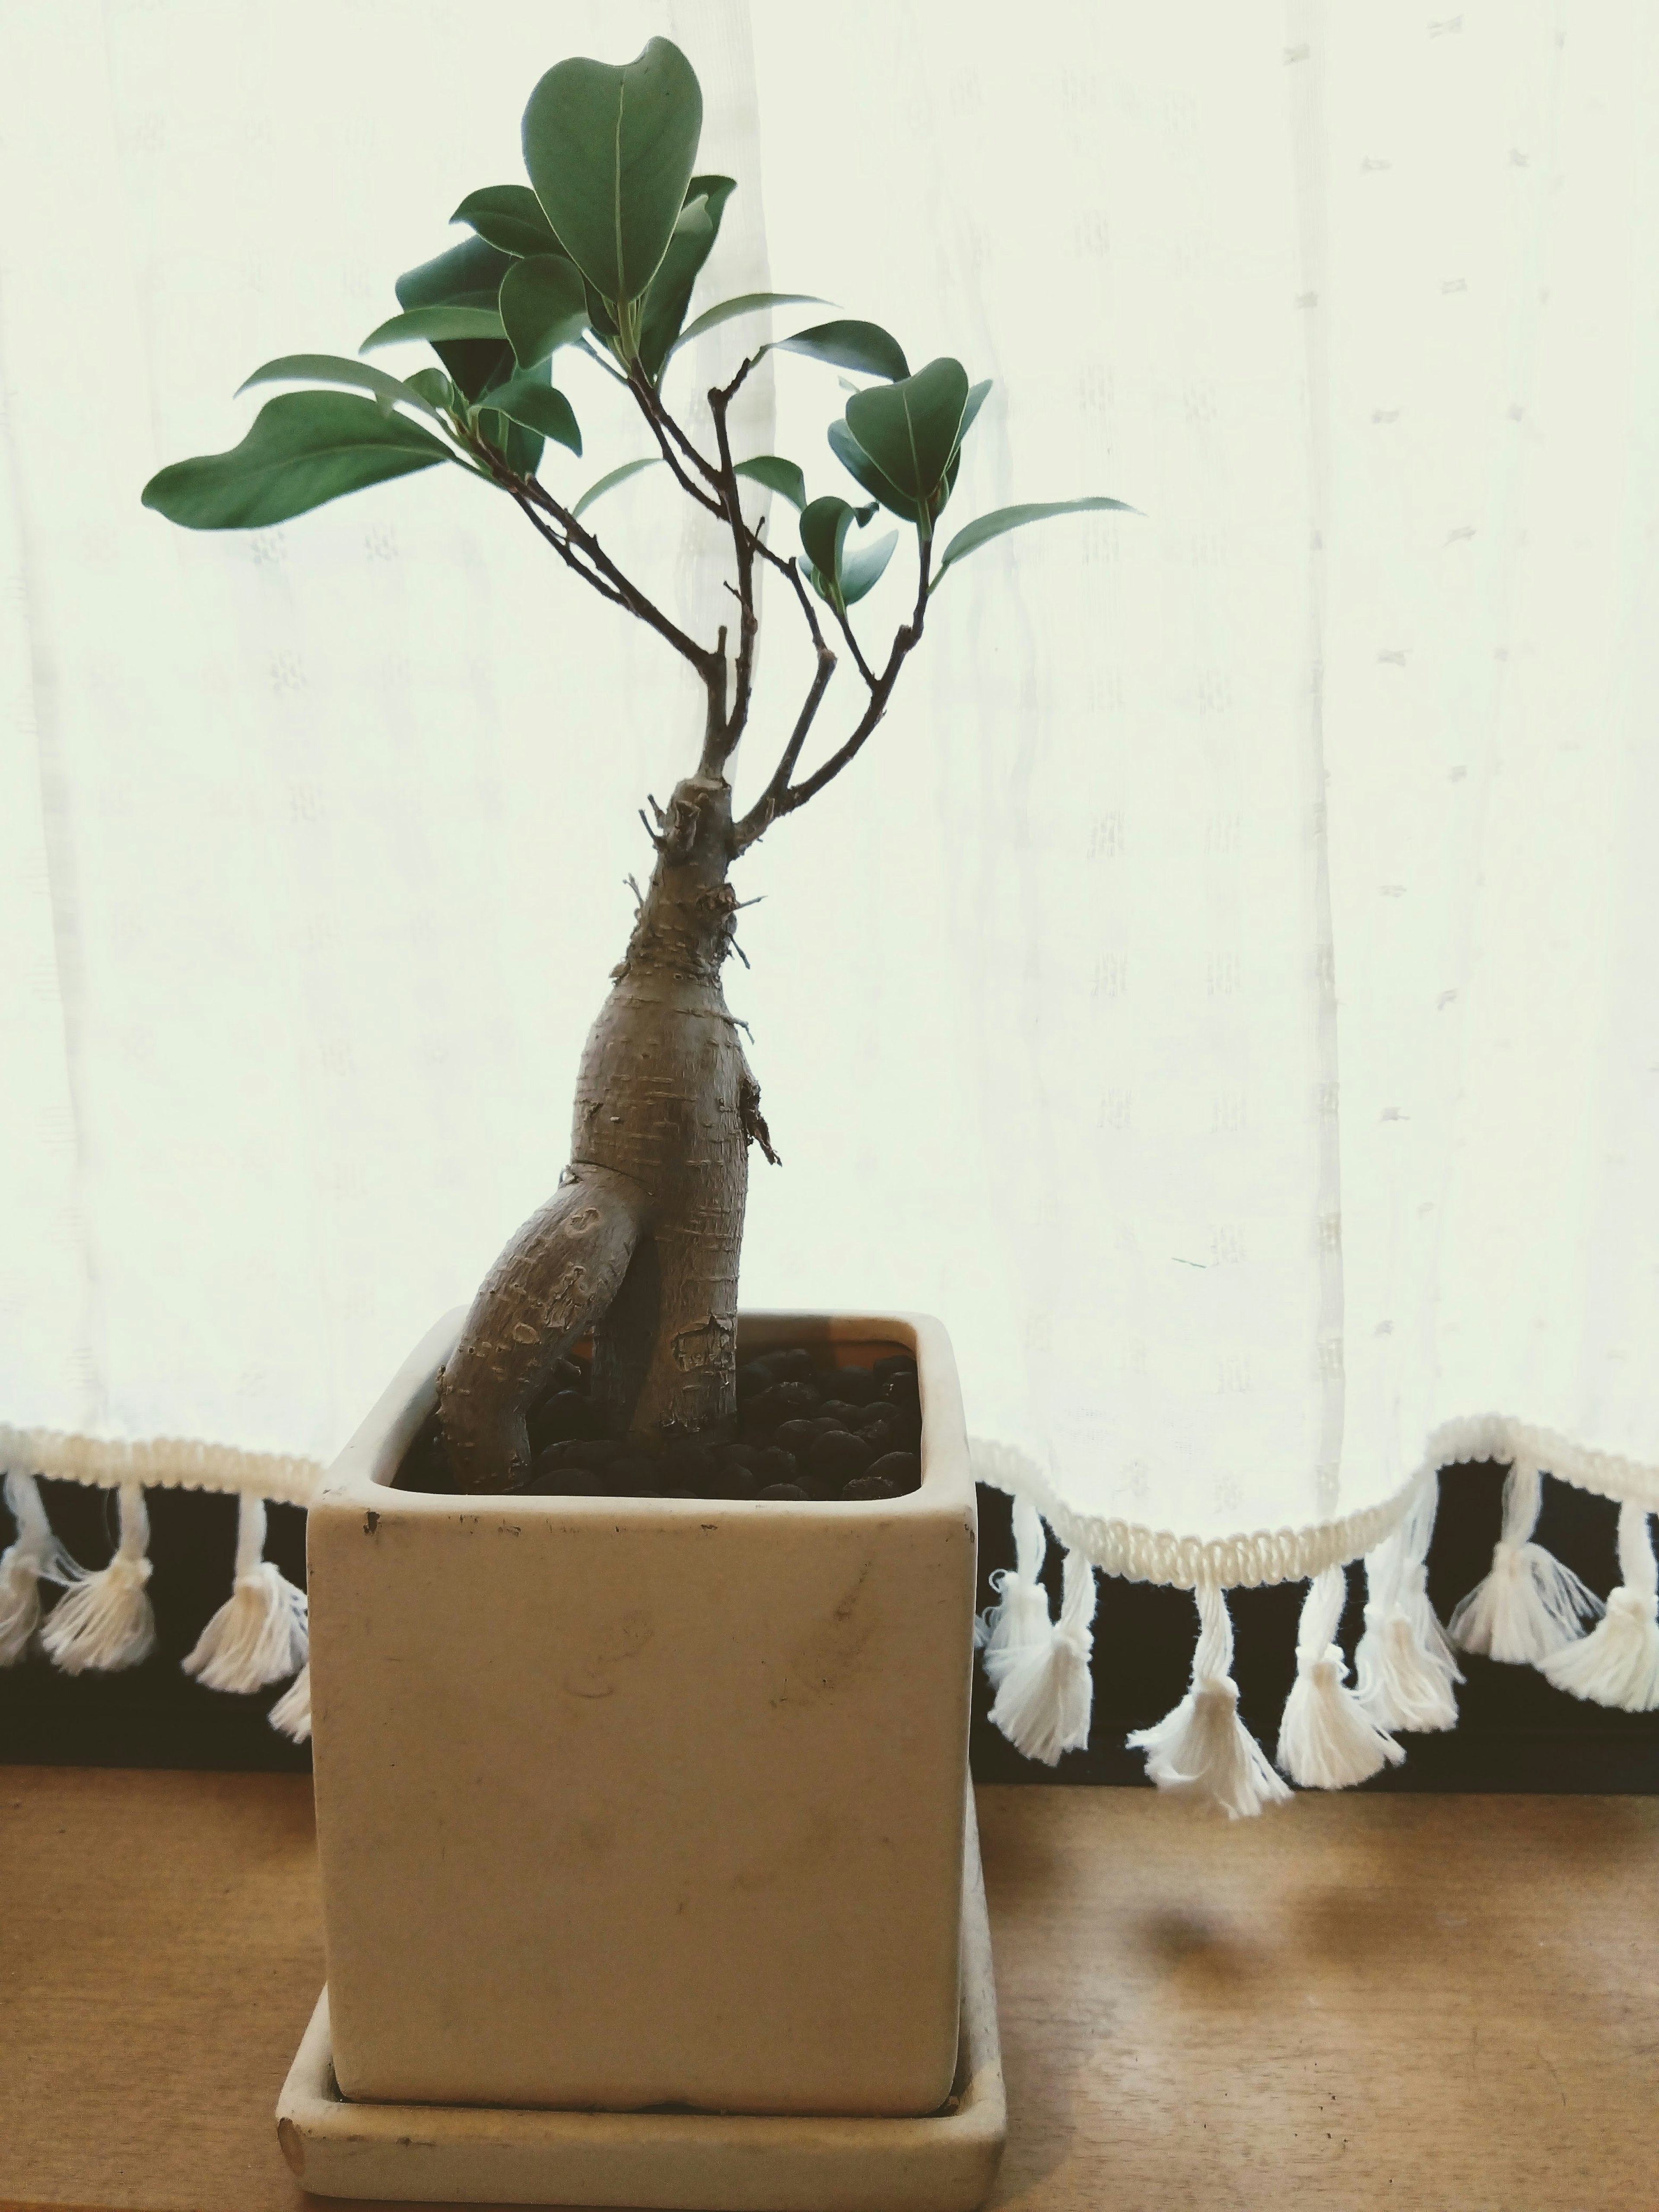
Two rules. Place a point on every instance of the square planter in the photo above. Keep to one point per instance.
(626, 1802)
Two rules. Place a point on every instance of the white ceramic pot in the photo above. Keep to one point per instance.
(640, 1801)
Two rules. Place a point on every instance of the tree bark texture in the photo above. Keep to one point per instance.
(640, 1241)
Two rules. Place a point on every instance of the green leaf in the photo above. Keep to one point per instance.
(839, 577)
(777, 474)
(975, 534)
(669, 294)
(330, 368)
(609, 152)
(528, 400)
(437, 323)
(465, 276)
(608, 483)
(303, 449)
(859, 466)
(747, 303)
(863, 346)
(544, 306)
(509, 216)
(975, 401)
(823, 528)
(862, 570)
(437, 389)
(911, 429)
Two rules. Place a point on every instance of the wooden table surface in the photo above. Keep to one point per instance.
(1355, 2001)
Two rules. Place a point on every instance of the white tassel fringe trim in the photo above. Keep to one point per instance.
(1202, 1747)
(35, 1557)
(1529, 1605)
(1039, 1666)
(258, 1634)
(1405, 1669)
(104, 1620)
(291, 1713)
(1326, 1740)
(1618, 1663)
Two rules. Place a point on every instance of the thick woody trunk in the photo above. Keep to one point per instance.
(640, 1241)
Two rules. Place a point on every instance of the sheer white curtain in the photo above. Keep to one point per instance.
(1222, 989)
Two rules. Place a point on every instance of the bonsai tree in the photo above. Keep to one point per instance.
(594, 263)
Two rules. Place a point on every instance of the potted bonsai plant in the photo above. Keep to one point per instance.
(642, 1632)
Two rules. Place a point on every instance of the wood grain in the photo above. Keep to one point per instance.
(1433, 2001)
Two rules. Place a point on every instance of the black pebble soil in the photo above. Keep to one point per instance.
(804, 1432)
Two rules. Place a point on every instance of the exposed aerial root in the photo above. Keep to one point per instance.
(553, 1281)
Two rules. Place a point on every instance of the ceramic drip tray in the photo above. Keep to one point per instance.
(678, 2161)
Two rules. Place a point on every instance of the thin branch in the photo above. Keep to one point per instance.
(905, 640)
(743, 542)
(651, 406)
(562, 548)
(660, 425)
(840, 614)
(711, 667)
(761, 815)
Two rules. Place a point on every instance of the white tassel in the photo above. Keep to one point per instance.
(1404, 1668)
(1020, 1617)
(1618, 1663)
(1326, 1740)
(104, 1620)
(1529, 1605)
(35, 1557)
(1045, 1693)
(1203, 1747)
(258, 1634)
(291, 1713)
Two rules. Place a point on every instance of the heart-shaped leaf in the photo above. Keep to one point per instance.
(610, 483)
(529, 399)
(302, 450)
(975, 534)
(777, 474)
(544, 306)
(669, 294)
(358, 375)
(610, 152)
(437, 323)
(859, 466)
(747, 303)
(863, 346)
(466, 276)
(509, 216)
(910, 429)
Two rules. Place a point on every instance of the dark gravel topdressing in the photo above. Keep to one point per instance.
(804, 1432)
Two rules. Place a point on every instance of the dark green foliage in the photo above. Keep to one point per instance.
(690, 247)
(862, 346)
(840, 578)
(777, 474)
(468, 276)
(357, 375)
(509, 216)
(969, 540)
(544, 306)
(528, 399)
(304, 449)
(610, 153)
